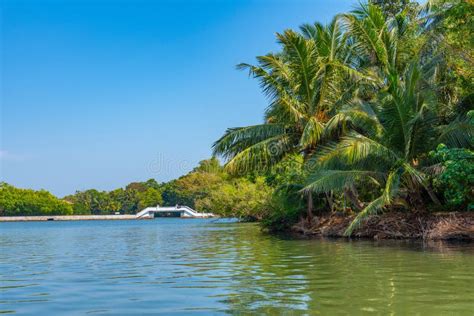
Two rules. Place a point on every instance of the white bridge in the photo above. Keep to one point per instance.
(178, 211)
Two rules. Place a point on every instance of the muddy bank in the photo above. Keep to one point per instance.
(436, 226)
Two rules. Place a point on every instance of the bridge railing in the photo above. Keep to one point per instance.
(189, 211)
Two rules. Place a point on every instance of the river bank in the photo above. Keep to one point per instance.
(65, 218)
(394, 225)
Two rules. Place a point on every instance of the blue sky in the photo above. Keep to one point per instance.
(96, 94)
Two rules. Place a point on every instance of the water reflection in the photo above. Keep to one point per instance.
(171, 265)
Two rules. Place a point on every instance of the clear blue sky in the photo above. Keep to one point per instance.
(96, 94)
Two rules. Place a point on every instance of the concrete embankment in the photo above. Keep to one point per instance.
(65, 218)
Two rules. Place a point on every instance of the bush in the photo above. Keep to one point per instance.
(455, 182)
(285, 210)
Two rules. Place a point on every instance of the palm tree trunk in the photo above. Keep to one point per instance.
(432, 195)
(353, 196)
(416, 200)
(330, 201)
(310, 207)
(309, 210)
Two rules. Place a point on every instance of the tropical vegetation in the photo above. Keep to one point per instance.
(363, 101)
(208, 188)
(371, 113)
(15, 201)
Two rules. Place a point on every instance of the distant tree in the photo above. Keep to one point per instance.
(150, 197)
(195, 185)
(209, 165)
(137, 186)
(18, 202)
(238, 197)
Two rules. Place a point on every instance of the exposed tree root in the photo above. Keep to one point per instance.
(394, 225)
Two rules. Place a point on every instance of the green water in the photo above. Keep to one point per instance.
(178, 266)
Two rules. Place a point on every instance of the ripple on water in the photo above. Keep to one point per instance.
(198, 266)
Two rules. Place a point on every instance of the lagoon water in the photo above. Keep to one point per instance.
(203, 266)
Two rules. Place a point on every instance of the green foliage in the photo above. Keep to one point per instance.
(196, 184)
(207, 188)
(90, 202)
(362, 101)
(237, 197)
(21, 202)
(210, 188)
(451, 37)
(289, 171)
(304, 84)
(287, 203)
(211, 166)
(285, 208)
(392, 8)
(135, 197)
(149, 197)
(455, 181)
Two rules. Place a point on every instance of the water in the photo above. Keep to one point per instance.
(183, 266)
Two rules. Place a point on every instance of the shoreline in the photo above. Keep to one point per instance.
(456, 226)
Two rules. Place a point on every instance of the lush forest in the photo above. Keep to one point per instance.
(371, 113)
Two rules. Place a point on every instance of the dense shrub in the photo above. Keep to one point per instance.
(286, 208)
(455, 182)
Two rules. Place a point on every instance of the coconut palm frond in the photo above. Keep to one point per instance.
(458, 133)
(300, 55)
(390, 191)
(260, 156)
(237, 139)
(357, 119)
(335, 180)
(367, 24)
(311, 133)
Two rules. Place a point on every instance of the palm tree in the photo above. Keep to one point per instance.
(305, 83)
(384, 137)
(384, 146)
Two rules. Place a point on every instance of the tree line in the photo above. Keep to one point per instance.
(207, 188)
